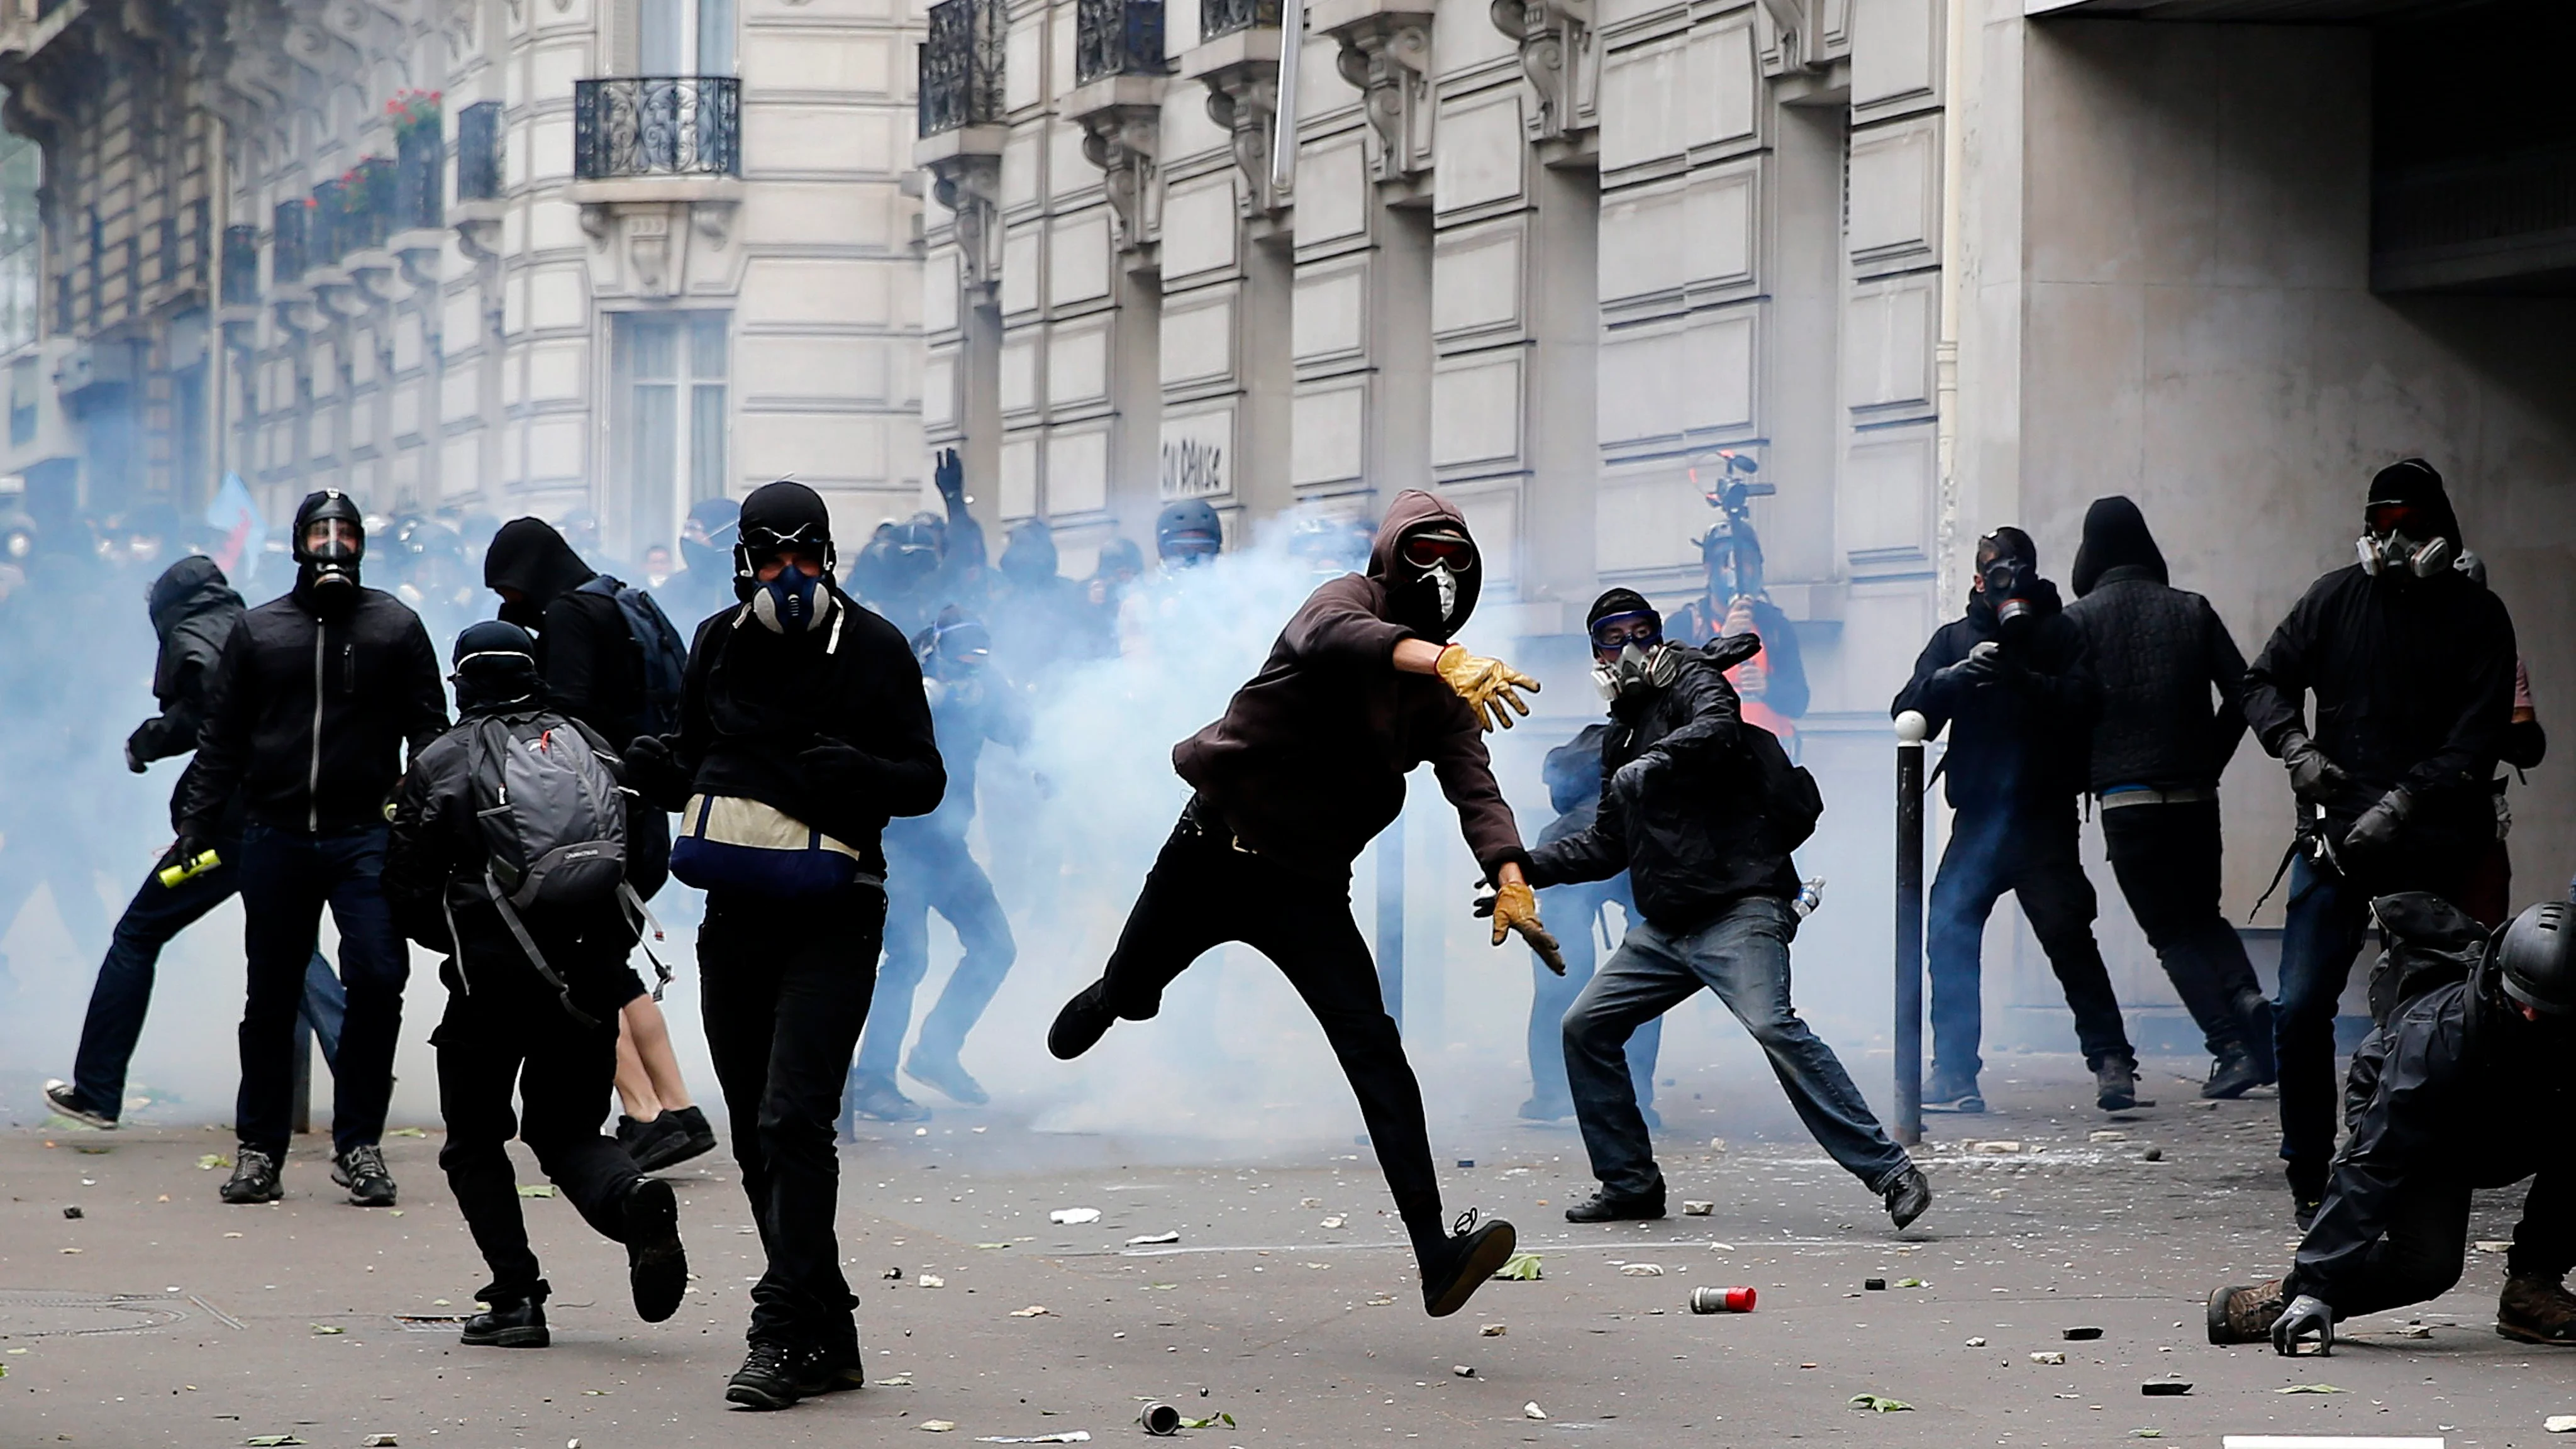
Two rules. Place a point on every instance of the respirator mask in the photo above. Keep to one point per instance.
(330, 541)
(2392, 538)
(2010, 590)
(794, 601)
(1629, 654)
(1442, 559)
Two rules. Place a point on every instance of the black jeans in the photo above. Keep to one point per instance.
(2420, 1255)
(286, 880)
(2166, 858)
(1202, 893)
(2033, 855)
(783, 988)
(511, 1032)
(123, 991)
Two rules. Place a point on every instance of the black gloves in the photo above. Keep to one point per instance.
(2305, 1318)
(2314, 778)
(949, 472)
(134, 752)
(654, 773)
(1985, 664)
(838, 767)
(2381, 824)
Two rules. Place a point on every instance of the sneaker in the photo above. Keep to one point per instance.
(65, 1098)
(1470, 1255)
(668, 1140)
(767, 1378)
(1605, 1206)
(1946, 1093)
(2232, 1074)
(2115, 1084)
(2245, 1314)
(1083, 1022)
(874, 1096)
(828, 1371)
(945, 1076)
(361, 1170)
(254, 1178)
(701, 1138)
(645, 1137)
(2536, 1310)
(657, 1267)
(1908, 1196)
(507, 1325)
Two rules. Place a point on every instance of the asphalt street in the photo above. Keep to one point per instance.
(160, 1316)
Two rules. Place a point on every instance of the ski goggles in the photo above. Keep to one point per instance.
(1614, 632)
(1431, 550)
(2387, 518)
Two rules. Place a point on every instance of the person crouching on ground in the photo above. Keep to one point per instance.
(510, 853)
(1702, 813)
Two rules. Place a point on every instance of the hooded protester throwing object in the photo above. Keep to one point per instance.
(514, 853)
(1304, 768)
(2170, 718)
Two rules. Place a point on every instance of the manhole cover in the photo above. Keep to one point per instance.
(36, 1313)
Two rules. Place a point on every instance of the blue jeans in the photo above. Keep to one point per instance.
(927, 872)
(124, 990)
(1576, 909)
(2320, 937)
(2031, 853)
(287, 877)
(1743, 956)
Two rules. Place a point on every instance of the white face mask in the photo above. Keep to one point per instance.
(2394, 549)
(1447, 583)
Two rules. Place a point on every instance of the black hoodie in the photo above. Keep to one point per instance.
(2017, 742)
(193, 611)
(1307, 763)
(2159, 652)
(585, 652)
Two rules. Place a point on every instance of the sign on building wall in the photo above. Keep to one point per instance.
(1198, 455)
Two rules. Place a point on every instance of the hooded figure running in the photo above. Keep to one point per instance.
(1305, 767)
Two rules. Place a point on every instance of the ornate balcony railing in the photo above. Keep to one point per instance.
(657, 126)
(1120, 37)
(322, 244)
(1225, 17)
(419, 200)
(961, 66)
(478, 152)
(366, 206)
(287, 252)
(240, 274)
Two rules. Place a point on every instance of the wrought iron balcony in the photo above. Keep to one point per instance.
(1117, 37)
(419, 200)
(286, 256)
(322, 244)
(1225, 17)
(366, 207)
(961, 66)
(478, 152)
(240, 274)
(636, 126)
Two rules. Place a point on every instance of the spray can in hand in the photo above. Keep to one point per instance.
(179, 875)
(1811, 894)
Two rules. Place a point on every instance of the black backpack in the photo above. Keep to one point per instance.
(1791, 800)
(664, 653)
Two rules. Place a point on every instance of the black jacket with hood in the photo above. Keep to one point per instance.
(585, 652)
(2413, 680)
(1307, 763)
(2158, 652)
(2017, 742)
(193, 611)
(310, 709)
(1689, 826)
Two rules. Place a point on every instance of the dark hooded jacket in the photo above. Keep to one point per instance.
(2413, 681)
(310, 709)
(2158, 652)
(1690, 829)
(1038, 615)
(1307, 763)
(586, 654)
(2018, 742)
(193, 611)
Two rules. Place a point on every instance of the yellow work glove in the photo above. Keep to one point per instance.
(1487, 685)
(1514, 907)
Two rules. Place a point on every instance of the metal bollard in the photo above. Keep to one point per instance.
(1911, 728)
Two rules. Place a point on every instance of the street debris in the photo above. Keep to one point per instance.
(1159, 1419)
(2154, 1154)
(407, 1132)
(2493, 1245)
(892, 1275)
(1492, 1330)
(1464, 1371)
(936, 1426)
(1521, 1267)
(1034, 1310)
(2146, 1433)
(2559, 1424)
(1976, 1343)
(1074, 1217)
(213, 1160)
(1994, 1149)
(2048, 1356)
(1641, 1270)
(270, 1441)
(1335, 1221)
(378, 1441)
(2164, 1388)
(1149, 1240)
(2416, 1330)
(1310, 1202)
(1874, 1285)
(536, 1189)
(1531, 1410)
(1721, 1300)
(72, 1212)
(2079, 1335)
(1069, 1436)
(2106, 1134)
(1693, 1208)
(1878, 1404)
(1212, 1421)
(1912, 1283)
(2309, 1389)
(932, 1280)
(327, 1329)
(896, 1381)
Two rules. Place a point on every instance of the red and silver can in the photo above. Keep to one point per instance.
(1721, 1300)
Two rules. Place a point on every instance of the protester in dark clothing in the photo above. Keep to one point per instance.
(2013, 681)
(2159, 746)
(2442, 1102)
(1694, 805)
(193, 610)
(508, 1023)
(1737, 600)
(1104, 595)
(807, 711)
(1306, 765)
(929, 561)
(1038, 619)
(704, 583)
(593, 670)
(1573, 774)
(929, 868)
(313, 701)
(2411, 662)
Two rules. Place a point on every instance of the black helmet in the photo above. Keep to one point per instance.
(2533, 959)
(1188, 529)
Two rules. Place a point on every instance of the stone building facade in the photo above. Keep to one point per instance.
(464, 256)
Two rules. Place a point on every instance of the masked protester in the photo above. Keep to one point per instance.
(930, 560)
(2013, 682)
(1573, 775)
(704, 584)
(1037, 613)
(1104, 595)
(1702, 813)
(1305, 767)
(929, 868)
(2171, 679)
(1187, 533)
(803, 727)
(588, 655)
(193, 610)
(312, 702)
(2443, 1099)
(514, 854)
(2411, 664)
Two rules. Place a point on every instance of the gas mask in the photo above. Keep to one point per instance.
(1629, 654)
(2391, 547)
(330, 540)
(791, 603)
(2009, 592)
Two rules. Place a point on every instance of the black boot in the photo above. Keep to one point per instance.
(657, 1267)
(2232, 1073)
(1605, 1206)
(508, 1325)
(2115, 1083)
(1908, 1196)
(768, 1378)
